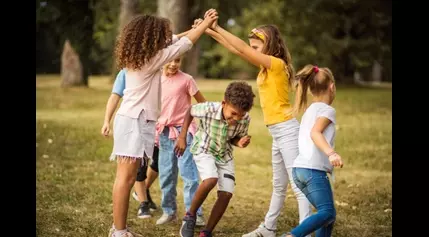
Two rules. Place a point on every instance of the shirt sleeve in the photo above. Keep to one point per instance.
(173, 51)
(119, 85)
(327, 112)
(245, 127)
(200, 110)
(192, 86)
(174, 39)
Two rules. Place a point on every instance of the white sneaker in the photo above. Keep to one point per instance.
(126, 234)
(261, 231)
(136, 197)
(200, 221)
(164, 219)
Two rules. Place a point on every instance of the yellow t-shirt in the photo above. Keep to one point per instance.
(273, 85)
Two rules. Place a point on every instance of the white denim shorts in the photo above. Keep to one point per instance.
(133, 138)
(209, 168)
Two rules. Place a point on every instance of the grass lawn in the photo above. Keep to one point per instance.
(75, 177)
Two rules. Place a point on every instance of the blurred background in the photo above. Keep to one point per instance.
(74, 74)
(353, 38)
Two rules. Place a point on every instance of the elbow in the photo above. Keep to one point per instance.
(314, 135)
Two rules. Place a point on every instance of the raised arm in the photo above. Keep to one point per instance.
(194, 34)
(216, 36)
(184, 44)
(245, 51)
(183, 34)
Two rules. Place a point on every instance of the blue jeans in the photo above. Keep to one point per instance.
(169, 165)
(317, 188)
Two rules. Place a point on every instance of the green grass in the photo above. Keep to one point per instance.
(75, 177)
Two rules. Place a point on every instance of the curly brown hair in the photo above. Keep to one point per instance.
(140, 40)
(240, 94)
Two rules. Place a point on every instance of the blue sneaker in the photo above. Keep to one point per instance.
(188, 226)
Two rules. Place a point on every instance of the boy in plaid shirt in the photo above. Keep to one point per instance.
(222, 125)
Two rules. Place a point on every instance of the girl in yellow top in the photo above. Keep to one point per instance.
(268, 51)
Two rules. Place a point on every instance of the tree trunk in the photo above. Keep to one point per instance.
(71, 67)
(129, 9)
(376, 72)
(75, 59)
(178, 13)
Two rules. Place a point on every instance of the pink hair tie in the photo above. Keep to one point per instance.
(315, 69)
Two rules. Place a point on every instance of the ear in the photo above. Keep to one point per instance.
(332, 87)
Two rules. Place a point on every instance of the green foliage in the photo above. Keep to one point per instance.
(345, 35)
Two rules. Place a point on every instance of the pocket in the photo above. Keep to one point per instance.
(302, 175)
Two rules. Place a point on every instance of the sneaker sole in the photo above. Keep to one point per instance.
(180, 231)
(144, 216)
(174, 221)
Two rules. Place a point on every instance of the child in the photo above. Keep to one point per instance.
(268, 52)
(142, 188)
(143, 46)
(178, 88)
(221, 126)
(317, 156)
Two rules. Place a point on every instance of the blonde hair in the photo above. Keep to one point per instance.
(317, 79)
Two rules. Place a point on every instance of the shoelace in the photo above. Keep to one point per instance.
(190, 223)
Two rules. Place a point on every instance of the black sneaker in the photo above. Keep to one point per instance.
(144, 211)
(152, 205)
(188, 226)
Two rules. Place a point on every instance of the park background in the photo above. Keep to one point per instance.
(74, 75)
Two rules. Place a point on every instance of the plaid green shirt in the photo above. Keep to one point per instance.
(214, 135)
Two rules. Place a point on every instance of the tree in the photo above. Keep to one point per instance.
(177, 11)
(129, 9)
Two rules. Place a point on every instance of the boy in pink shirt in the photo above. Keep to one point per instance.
(178, 88)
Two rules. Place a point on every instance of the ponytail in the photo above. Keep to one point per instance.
(304, 77)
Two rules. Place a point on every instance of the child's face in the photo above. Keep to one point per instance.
(232, 114)
(173, 66)
(256, 44)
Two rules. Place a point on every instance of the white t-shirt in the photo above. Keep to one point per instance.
(309, 155)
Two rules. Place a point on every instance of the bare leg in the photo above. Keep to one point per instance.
(140, 188)
(125, 177)
(151, 177)
(201, 194)
(218, 209)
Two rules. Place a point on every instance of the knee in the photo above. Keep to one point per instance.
(330, 215)
(126, 179)
(280, 185)
(224, 196)
(210, 182)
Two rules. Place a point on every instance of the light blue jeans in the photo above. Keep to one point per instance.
(317, 188)
(169, 165)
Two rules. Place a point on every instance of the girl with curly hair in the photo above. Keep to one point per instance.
(144, 45)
